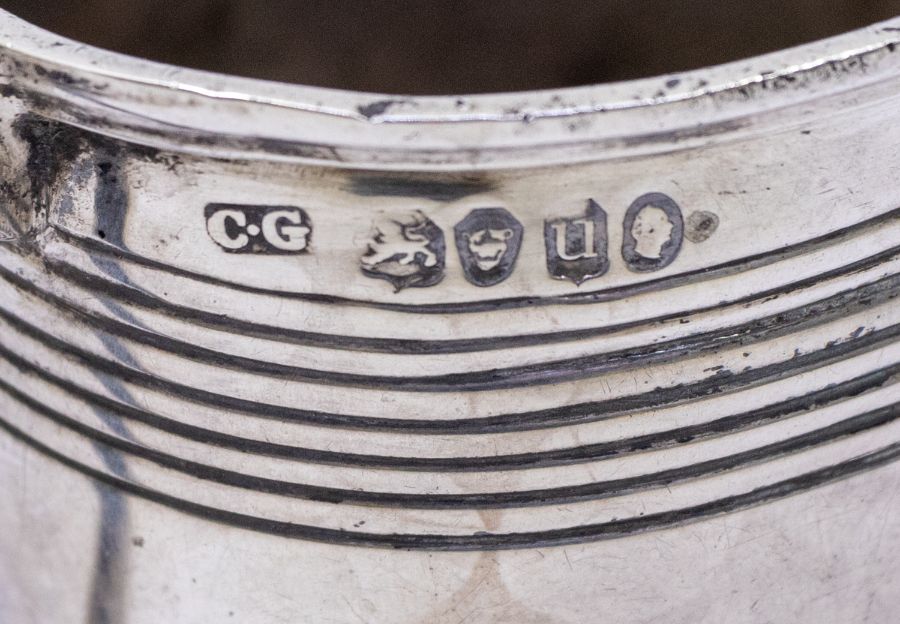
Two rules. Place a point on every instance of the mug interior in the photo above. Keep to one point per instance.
(444, 46)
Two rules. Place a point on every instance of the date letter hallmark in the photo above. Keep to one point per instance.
(577, 246)
(408, 252)
(241, 228)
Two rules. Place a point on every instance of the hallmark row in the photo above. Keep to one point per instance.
(411, 250)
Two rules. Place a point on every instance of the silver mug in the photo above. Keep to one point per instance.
(620, 353)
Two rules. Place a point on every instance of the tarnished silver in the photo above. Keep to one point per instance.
(624, 353)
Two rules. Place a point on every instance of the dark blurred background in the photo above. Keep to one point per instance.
(443, 46)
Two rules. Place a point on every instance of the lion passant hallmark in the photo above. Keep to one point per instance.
(406, 251)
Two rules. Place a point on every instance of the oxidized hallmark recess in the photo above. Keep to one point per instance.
(258, 229)
(488, 242)
(653, 233)
(406, 252)
(577, 247)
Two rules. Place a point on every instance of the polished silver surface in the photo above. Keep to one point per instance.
(624, 353)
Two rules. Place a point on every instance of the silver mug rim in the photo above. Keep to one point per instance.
(209, 114)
